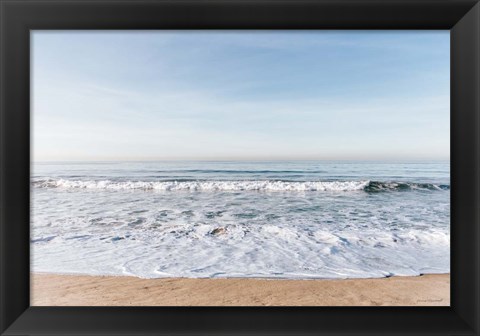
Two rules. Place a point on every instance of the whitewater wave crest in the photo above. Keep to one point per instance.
(368, 186)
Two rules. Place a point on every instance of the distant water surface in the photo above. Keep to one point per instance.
(288, 219)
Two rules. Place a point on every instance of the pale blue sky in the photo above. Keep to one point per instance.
(240, 95)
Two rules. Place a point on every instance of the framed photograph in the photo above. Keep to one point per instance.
(227, 167)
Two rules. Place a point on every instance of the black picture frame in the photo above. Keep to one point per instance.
(19, 17)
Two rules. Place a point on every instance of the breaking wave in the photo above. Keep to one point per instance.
(245, 185)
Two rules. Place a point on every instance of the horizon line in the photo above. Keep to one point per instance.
(240, 160)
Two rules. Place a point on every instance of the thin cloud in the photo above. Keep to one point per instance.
(241, 95)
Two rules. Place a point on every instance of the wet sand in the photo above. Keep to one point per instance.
(80, 290)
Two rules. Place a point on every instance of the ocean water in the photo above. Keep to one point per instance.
(306, 219)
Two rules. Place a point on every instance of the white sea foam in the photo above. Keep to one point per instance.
(238, 251)
(284, 235)
(359, 221)
(206, 185)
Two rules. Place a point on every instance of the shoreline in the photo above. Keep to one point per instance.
(49, 289)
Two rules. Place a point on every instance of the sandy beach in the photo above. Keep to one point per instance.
(79, 290)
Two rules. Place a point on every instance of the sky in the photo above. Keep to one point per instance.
(240, 95)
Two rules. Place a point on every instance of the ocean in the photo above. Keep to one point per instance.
(286, 220)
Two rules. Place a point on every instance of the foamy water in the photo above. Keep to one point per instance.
(248, 219)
